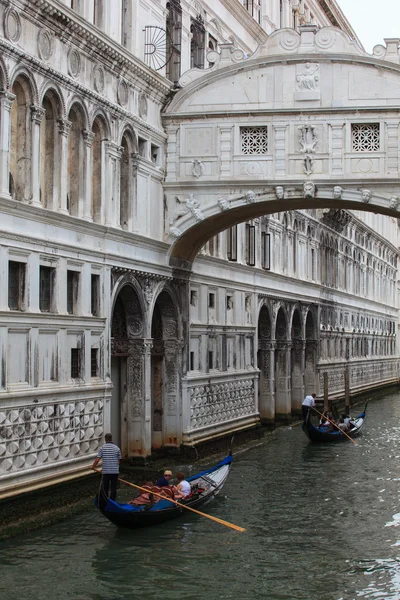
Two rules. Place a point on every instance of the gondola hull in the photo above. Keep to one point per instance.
(322, 436)
(134, 517)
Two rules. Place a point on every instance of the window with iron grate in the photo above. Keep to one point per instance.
(75, 363)
(365, 137)
(254, 140)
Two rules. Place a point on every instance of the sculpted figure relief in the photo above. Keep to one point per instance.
(366, 195)
(189, 205)
(309, 78)
(224, 203)
(280, 192)
(308, 189)
(394, 203)
(250, 197)
(337, 192)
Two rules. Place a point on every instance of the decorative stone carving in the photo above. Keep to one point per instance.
(366, 195)
(189, 205)
(42, 434)
(122, 92)
(337, 219)
(337, 192)
(221, 402)
(175, 232)
(224, 203)
(309, 189)
(12, 24)
(250, 197)
(308, 141)
(143, 106)
(280, 192)
(45, 44)
(394, 203)
(308, 82)
(98, 78)
(148, 289)
(74, 62)
(198, 168)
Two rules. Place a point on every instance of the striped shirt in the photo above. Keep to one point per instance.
(110, 455)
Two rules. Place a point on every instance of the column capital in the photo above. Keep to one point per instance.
(37, 113)
(88, 137)
(64, 126)
(113, 149)
(6, 99)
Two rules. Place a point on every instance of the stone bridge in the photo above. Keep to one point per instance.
(309, 121)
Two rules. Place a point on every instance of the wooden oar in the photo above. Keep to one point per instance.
(337, 427)
(138, 487)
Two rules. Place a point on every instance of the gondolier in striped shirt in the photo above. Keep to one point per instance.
(110, 455)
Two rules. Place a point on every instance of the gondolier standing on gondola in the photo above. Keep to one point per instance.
(308, 402)
(110, 455)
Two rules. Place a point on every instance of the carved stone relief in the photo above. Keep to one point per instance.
(308, 82)
(98, 79)
(12, 24)
(74, 62)
(143, 106)
(308, 141)
(45, 44)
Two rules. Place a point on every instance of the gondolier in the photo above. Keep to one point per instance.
(110, 455)
(308, 402)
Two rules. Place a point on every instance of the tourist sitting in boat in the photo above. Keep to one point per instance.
(182, 489)
(165, 479)
(342, 425)
(324, 420)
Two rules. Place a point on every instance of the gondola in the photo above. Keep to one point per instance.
(322, 435)
(205, 485)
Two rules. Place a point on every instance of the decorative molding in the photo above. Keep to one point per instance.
(45, 44)
(12, 24)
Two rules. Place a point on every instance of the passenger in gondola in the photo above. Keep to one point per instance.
(182, 489)
(165, 479)
(342, 425)
(324, 420)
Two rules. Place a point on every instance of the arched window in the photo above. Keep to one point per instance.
(76, 161)
(20, 141)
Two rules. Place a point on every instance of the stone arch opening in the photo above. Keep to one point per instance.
(21, 140)
(127, 182)
(127, 419)
(165, 367)
(49, 150)
(282, 366)
(310, 357)
(98, 159)
(76, 161)
(265, 363)
(297, 362)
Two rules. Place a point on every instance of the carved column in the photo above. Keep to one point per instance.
(147, 416)
(64, 127)
(37, 114)
(172, 354)
(298, 362)
(113, 154)
(6, 100)
(135, 414)
(266, 365)
(282, 394)
(85, 211)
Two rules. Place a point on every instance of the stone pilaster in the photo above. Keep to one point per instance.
(113, 154)
(86, 211)
(6, 100)
(280, 150)
(64, 127)
(37, 114)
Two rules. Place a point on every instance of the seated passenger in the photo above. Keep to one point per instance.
(164, 481)
(324, 420)
(144, 497)
(183, 489)
(342, 425)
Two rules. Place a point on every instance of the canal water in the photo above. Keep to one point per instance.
(323, 522)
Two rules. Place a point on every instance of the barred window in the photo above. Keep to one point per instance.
(75, 363)
(94, 362)
(365, 137)
(254, 140)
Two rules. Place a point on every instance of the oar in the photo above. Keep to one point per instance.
(226, 523)
(341, 430)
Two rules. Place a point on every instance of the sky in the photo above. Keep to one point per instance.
(373, 20)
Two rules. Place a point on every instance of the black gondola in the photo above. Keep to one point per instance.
(322, 435)
(205, 485)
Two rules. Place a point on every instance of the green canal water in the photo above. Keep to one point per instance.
(323, 522)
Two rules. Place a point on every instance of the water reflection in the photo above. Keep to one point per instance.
(322, 523)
